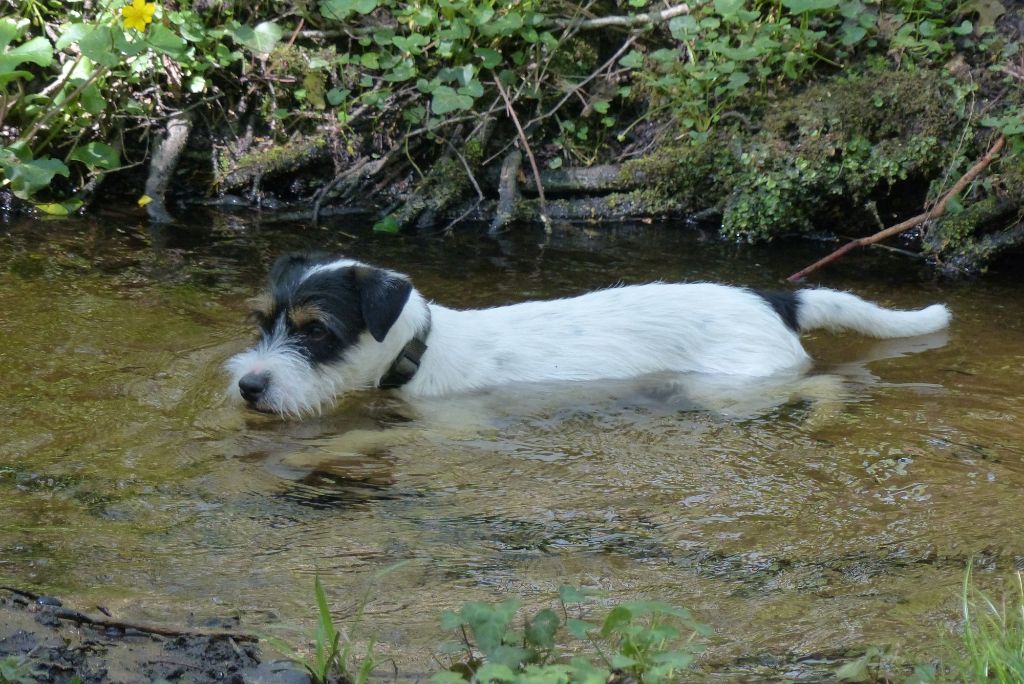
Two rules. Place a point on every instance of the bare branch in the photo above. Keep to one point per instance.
(938, 210)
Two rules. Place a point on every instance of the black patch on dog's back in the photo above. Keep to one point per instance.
(785, 304)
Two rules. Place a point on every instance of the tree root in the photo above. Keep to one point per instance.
(164, 162)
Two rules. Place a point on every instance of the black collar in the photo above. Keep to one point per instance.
(406, 364)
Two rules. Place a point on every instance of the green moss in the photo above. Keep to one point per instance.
(274, 158)
(843, 139)
(836, 144)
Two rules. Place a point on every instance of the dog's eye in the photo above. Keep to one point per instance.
(317, 332)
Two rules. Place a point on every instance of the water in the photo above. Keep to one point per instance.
(795, 520)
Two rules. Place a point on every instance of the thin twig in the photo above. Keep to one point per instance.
(628, 21)
(529, 154)
(938, 210)
(576, 88)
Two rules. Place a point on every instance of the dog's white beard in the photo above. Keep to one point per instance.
(295, 388)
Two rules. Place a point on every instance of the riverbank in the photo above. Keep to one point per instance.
(831, 119)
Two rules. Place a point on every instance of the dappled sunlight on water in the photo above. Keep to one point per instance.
(797, 516)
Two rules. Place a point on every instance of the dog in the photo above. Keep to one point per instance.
(329, 326)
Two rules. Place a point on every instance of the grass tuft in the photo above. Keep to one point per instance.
(993, 636)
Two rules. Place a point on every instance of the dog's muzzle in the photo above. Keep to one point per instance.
(253, 385)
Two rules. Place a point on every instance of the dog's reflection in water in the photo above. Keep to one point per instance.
(359, 437)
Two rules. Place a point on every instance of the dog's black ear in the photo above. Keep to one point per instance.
(290, 266)
(382, 296)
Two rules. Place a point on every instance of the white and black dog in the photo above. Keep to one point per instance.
(332, 325)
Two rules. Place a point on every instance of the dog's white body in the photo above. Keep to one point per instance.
(618, 333)
(630, 331)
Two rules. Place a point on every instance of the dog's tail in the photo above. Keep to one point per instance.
(835, 310)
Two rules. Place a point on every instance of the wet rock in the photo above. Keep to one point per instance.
(275, 672)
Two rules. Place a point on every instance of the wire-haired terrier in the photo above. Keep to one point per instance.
(331, 325)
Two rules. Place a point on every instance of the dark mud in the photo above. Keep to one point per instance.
(60, 644)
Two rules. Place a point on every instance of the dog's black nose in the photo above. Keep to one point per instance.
(253, 385)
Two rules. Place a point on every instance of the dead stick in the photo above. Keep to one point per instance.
(938, 210)
(529, 154)
(82, 618)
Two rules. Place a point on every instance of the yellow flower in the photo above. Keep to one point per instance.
(138, 14)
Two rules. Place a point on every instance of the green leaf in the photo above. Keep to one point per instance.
(337, 10)
(505, 25)
(389, 224)
(683, 28)
(26, 177)
(474, 89)
(424, 16)
(260, 39)
(447, 677)
(449, 619)
(446, 100)
(540, 631)
(619, 617)
(802, 6)
(370, 60)
(91, 99)
(854, 671)
(97, 155)
(9, 76)
(98, 45)
(728, 8)
(493, 672)
(163, 39)
(488, 57)
(60, 208)
(489, 623)
(632, 60)
(579, 628)
(335, 96)
(621, 662)
(38, 51)
(10, 29)
(570, 594)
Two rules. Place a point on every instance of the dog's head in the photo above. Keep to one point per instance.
(326, 326)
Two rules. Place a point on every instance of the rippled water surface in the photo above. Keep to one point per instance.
(796, 518)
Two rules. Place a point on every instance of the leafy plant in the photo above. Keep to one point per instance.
(646, 640)
(993, 635)
(330, 660)
(18, 670)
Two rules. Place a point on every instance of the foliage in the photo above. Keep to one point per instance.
(993, 635)
(330, 661)
(377, 74)
(648, 641)
(17, 670)
(727, 51)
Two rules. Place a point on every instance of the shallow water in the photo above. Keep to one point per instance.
(797, 519)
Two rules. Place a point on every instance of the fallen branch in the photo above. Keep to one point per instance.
(160, 630)
(936, 211)
(163, 164)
